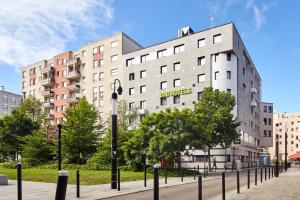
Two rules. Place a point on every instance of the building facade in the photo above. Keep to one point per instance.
(88, 71)
(9, 101)
(286, 123)
(174, 74)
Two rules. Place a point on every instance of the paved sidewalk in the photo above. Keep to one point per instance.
(286, 187)
(46, 191)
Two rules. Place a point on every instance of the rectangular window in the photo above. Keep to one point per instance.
(199, 96)
(161, 53)
(114, 58)
(265, 133)
(229, 75)
(129, 62)
(201, 60)
(101, 76)
(216, 56)
(101, 90)
(95, 63)
(23, 74)
(163, 101)
(83, 53)
(144, 58)
(265, 121)
(57, 97)
(201, 78)
(178, 49)
(95, 91)
(163, 85)
(201, 43)
(270, 133)
(143, 89)
(163, 69)
(228, 56)
(177, 82)
(94, 77)
(270, 109)
(143, 74)
(243, 70)
(114, 44)
(176, 66)
(131, 106)
(101, 62)
(143, 104)
(217, 38)
(131, 76)
(114, 72)
(131, 91)
(13, 100)
(229, 91)
(95, 50)
(101, 48)
(216, 75)
(176, 99)
(269, 121)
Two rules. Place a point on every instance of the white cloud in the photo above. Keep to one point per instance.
(32, 30)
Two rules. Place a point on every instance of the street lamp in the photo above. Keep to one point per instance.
(277, 154)
(114, 144)
(285, 147)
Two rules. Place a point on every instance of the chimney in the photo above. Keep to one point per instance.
(185, 31)
(2, 88)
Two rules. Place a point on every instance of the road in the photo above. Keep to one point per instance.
(211, 188)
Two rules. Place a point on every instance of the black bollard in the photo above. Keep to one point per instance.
(19, 184)
(248, 178)
(119, 180)
(77, 183)
(198, 169)
(269, 173)
(223, 185)
(272, 171)
(265, 174)
(194, 173)
(156, 183)
(255, 176)
(199, 187)
(181, 175)
(238, 181)
(145, 176)
(261, 176)
(61, 187)
(166, 175)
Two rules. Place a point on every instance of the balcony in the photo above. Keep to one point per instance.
(73, 74)
(48, 104)
(47, 69)
(253, 90)
(74, 87)
(253, 104)
(47, 82)
(76, 62)
(73, 99)
(143, 111)
(50, 116)
(48, 93)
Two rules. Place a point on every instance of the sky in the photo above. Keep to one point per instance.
(33, 30)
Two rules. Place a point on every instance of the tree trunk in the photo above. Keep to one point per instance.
(208, 155)
(225, 160)
(179, 160)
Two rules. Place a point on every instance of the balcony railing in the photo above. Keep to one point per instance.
(73, 61)
(253, 90)
(143, 111)
(50, 116)
(74, 87)
(73, 74)
(254, 104)
(48, 93)
(73, 99)
(47, 69)
(47, 82)
(48, 104)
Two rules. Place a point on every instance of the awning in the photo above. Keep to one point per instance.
(296, 155)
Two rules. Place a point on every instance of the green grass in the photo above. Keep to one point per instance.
(87, 177)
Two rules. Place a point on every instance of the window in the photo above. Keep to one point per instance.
(228, 56)
(114, 58)
(131, 91)
(270, 109)
(161, 53)
(64, 61)
(217, 38)
(101, 76)
(23, 84)
(163, 85)
(176, 66)
(24, 74)
(58, 73)
(101, 89)
(201, 78)
(101, 62)
(270, 133)
(63, 108)
(199, 96)
(63, 96)
(95, 50)
(270, 121)
(101, 48)
(64, 84)
(114, 72)
(216, 56)
(265, 108)
(244, 71)
(129, 62)
(142, 73)
(64, 72)
(144, 58)
(94, 77)
(57, 97)
(143, 104)
(13, 100)
(83, 65)
(228, 75)
(94, 91)
(265, 121)
(229, 91)
(201, 60)
(178, 49)
(163, 101)
(265, 133)
(131, 76)
(201, 42)
(177, 82)
(5, 98)
(143, 89)
(176, 99)
(95, 63)
(83, 53)
(131, 106)
(114, 44)
(216, 75)
(57, 108)
(163, 69)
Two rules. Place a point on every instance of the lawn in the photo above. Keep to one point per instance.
(87, 177)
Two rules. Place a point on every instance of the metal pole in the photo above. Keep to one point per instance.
(285, 148)
(261, 175)
(114, 142)
(156, 183)
(195, 173)
(181, 175)
(59, 146)
(238, 181)
(272, 171)
(255, 176)
(19, 184)
(166, 175)
(77, 183)
(269, 173)
(248, 178)
(61, 187)
(277, 157)
(145, 176)
(265, 173)
(119, 180)
(199, 187)
(223, 185)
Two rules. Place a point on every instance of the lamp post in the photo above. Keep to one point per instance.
(114, 144)
(285, 147)
(277, 154)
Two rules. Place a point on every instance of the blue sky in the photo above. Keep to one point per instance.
(32, 30)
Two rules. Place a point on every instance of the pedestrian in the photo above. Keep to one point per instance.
(215, 164)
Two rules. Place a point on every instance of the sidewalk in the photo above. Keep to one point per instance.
(286, 187)
(46, 191)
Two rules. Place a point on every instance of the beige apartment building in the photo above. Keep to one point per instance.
(287, 123)
(88, 71)
(8, 101)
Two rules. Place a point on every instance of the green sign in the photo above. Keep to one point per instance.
(176, 92)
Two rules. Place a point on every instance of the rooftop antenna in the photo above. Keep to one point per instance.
(211, 18)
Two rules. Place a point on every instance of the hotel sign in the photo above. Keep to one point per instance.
(176, 92)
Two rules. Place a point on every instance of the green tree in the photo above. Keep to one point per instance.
(36, 149)
(80, 131)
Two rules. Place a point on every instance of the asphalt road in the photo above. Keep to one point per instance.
(211, 188)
